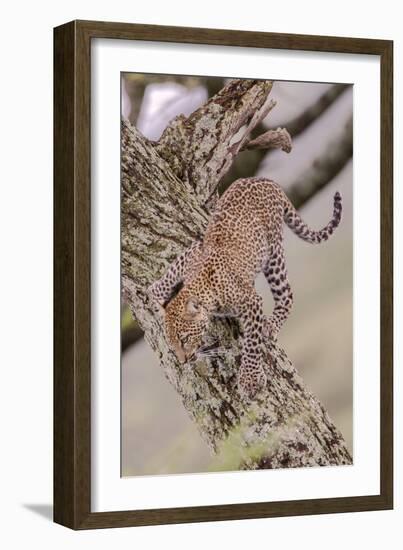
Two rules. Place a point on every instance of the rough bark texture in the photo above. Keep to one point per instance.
(168, 189)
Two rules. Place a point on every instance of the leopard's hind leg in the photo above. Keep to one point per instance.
(251, 376)
(275, 273)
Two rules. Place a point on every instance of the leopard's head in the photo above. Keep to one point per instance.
(186, 320)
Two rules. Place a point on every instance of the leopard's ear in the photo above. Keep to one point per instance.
(193, 309)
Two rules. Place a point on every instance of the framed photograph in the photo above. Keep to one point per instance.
(209, 362)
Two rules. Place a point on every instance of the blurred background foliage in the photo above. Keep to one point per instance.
(157, 435)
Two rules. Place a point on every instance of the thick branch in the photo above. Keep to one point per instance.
(161, 214)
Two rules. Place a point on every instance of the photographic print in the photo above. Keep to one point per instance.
(236, 274)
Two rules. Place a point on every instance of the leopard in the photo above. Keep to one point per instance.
(216, 275)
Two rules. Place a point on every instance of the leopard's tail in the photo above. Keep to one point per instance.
(300, 228)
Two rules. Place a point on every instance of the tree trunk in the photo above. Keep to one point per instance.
(168, 190)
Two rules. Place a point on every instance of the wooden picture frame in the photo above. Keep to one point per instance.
(72, 271)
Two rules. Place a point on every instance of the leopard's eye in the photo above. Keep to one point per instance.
(185, 339)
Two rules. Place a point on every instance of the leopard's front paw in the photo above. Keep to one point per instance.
(251, 380)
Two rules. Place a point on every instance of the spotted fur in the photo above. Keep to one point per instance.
(243, 238)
